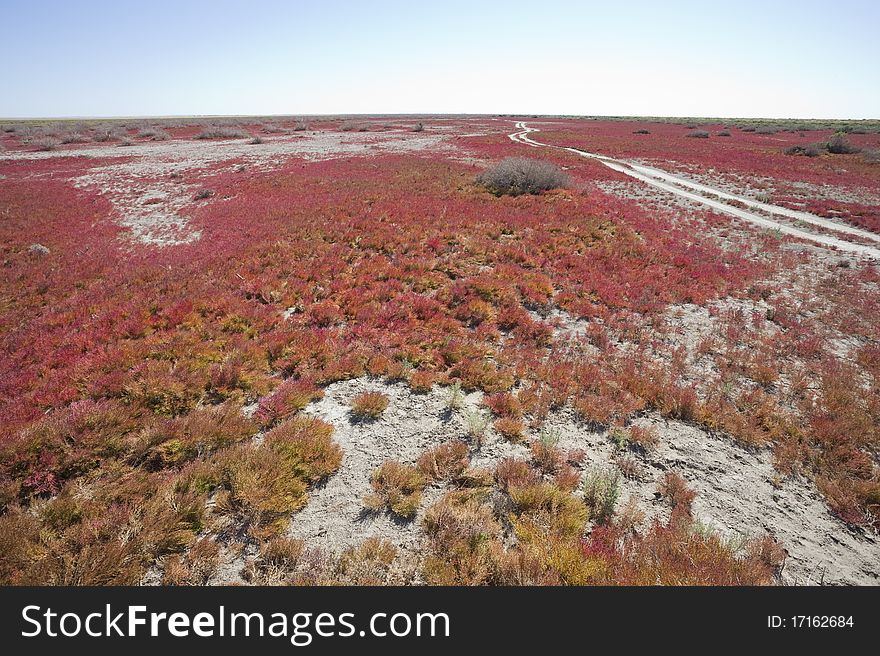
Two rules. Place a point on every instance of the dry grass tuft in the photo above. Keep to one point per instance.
(369, 405)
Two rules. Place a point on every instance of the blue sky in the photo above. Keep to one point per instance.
(675, 58)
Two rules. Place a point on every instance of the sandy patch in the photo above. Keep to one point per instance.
(151, 205)
(334, 517)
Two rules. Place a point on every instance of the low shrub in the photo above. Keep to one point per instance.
(464, 537)
(698, 134)
(218, 132)
(173, 442)
(643, 438)
(543, 509)
(354, 126)
(263, 489)
(510, 473)
(306, 446)
(515, 176)
(422, 381)
(812, 150)
(476, 424)
(674, 489)
(446, 461)
(104, 134)
(369, 405)
(503, 404)
(365, 564)
(510, 429)
(840, 145)
(73, 138)
(601, 491)
(547, 457)
(46, 144)
(677, 554)
(288, 398)
(153, 133)
(398, 488)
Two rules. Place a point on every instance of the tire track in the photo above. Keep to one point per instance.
(695, 192)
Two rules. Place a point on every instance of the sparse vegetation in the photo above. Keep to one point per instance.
(156, 408)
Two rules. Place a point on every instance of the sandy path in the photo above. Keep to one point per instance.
(694, 191)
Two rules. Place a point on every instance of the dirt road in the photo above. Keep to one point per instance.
(714, 198)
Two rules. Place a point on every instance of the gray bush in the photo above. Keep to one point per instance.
(73, 138)
(106, 133)
(514, 176)
(154, 133)
(812, 150)
(273, 128)
(872, 156)
(222, 132)
(46, 144)
(698, 134)
(840, 145)
(724, 133)
(353, 126)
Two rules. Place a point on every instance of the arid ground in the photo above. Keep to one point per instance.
(321, 351)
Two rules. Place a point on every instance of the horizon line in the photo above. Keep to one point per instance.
(96, 117)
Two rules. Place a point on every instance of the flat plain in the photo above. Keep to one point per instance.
(315, 351)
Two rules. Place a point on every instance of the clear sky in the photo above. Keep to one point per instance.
(807, 58)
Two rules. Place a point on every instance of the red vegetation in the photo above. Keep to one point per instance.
(125, 368)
